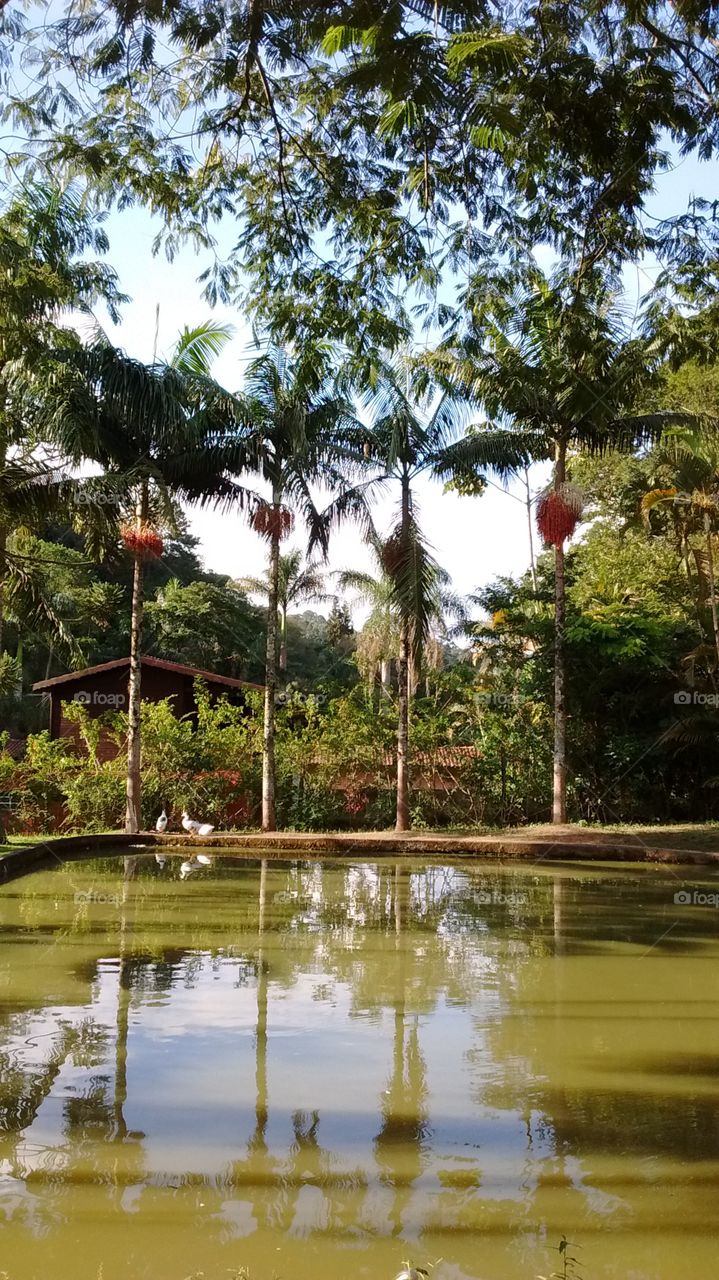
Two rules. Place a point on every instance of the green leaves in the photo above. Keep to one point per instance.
(486, 51)
(339, 39)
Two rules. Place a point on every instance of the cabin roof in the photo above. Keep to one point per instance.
(450, 757)
(177, 668)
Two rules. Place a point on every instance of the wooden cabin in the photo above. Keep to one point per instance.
(105, 688)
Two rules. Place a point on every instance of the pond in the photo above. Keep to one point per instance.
(314, 1070)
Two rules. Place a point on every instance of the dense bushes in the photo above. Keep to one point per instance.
(335, 762)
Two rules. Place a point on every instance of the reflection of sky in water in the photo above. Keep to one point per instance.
(192, 1062)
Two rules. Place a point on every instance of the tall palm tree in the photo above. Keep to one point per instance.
(557, 370)
(297, 583)
(163, 432)
(409, 438)
(302, 433)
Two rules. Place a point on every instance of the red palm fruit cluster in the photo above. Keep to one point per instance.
(393, 554)
(558, 512)
(143, 540)
(272, 522)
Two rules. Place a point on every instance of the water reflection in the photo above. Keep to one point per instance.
(195, 863)
(273, 1064)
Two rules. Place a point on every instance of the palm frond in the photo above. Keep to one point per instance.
(488, 448)
(196, 349)
(26, 599)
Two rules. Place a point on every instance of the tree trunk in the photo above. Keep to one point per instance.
(3, 572)
(385, 677)
(133, 811)
(528, 503)
(402, 823)
(403, 677)
(269, 815)
(712, 582)
(19, 658)
(283, 638)
(559, 801)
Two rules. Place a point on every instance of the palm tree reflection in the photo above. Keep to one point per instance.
(400, 1145)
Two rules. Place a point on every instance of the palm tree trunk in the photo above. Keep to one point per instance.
(402, 823)
(269, 814)
(133, 811)
(19, 657)
(3, 570)
(283, 638)
(528, 504)
(386, 677)
(403, 675)
(712, 582)
(559, 800)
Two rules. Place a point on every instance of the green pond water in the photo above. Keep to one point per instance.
(316, 1070)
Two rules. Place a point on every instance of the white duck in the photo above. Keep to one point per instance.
(161, 824)
(196, 828)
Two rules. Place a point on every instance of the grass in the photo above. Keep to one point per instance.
(15, 842)
(699, 837)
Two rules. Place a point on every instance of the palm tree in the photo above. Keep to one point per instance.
(379, 640)
(302, 433)
(46, 234)
(163, 432)
(693, 497)
(557, 370)
(408, 439)
(297, 583)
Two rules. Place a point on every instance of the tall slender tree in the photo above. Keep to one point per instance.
(410, 437)
(163, 432)
(557, 369)
(303, 433)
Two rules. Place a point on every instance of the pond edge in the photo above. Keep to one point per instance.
(373, 844)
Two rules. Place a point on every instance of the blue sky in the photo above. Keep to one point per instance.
(475, 539)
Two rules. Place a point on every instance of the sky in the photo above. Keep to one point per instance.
(475, 539)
